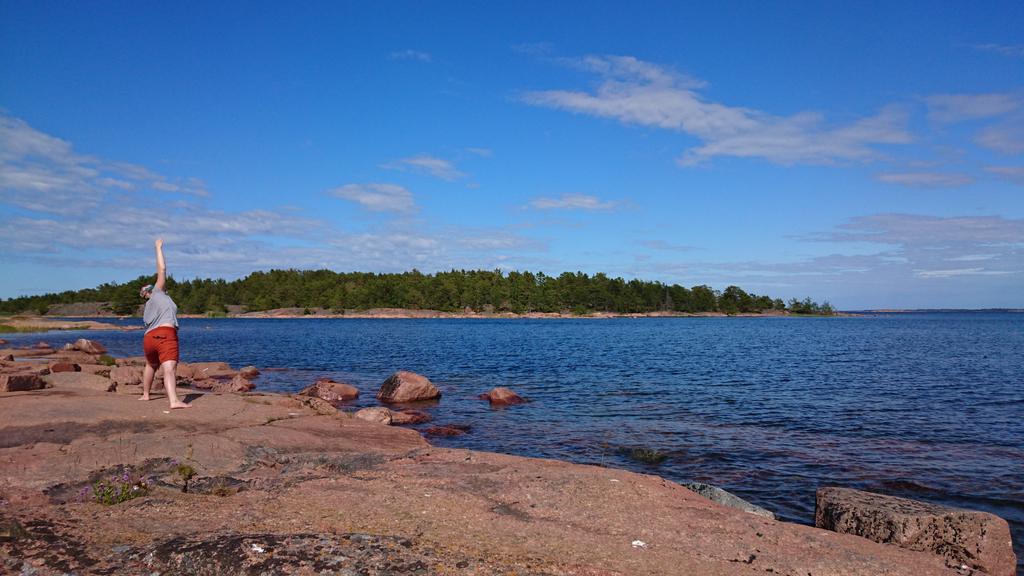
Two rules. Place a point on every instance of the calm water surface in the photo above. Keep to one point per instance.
(926, 406)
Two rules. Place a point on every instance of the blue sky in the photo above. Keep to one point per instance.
(871, 155)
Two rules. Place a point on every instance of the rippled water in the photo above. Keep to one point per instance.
(927, 406)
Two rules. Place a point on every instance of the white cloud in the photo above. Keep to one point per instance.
(427, 164)
(918, 231)
(667, 246)
(925, 179)
(43, 173)
(410, 55)
(1011, 50)
(62, 208)
(1006, 137)
(1012, 173)
(951, 108)
(573, 202)
(961, 272)
(482, 152)
(637, 92)
(377, 197)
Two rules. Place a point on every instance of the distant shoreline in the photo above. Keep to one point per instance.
(402, 313)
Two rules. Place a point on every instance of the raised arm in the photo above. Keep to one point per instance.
(161, 266)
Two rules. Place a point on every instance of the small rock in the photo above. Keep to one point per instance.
(9, 358)
(249, 372)
(978, 540)
(21, 382)
(89, 347)
(410, 417)
(65, 367)
(501, 396)
(404, 386)
(716, 494)
(320, 405)
(236, 384)
(3, 342)
(376, 414)
(42, 346)
(128, 375)
(331, 391)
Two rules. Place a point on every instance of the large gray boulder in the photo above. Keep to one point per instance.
(716, 494)
(978, 540)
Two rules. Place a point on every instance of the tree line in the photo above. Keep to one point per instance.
(451, 291)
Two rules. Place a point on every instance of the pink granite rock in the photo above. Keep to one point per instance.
(126, 375)
(81, 380)
(249, 372)
(65, 367)
(376, 414)
(405, 386)
(21, 382)
(89, 347)
(978, 540)
(501, 396)
(331, 391)
(409, 417)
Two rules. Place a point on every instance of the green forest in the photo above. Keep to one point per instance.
(452, 291)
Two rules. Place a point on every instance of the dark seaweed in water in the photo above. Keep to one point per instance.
(926, 406)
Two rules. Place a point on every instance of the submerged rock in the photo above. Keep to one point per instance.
(448, 430)
(404, 386)
(502, 396)
(978, 540)
(716, 494)
(410, 417)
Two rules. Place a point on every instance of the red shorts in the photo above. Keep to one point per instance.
(160, 345)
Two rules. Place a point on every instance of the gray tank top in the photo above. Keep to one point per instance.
(160, 310)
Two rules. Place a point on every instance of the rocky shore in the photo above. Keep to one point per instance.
(252, 483)
(42, 324)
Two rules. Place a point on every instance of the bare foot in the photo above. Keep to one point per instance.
(175, 405)
(144, 398)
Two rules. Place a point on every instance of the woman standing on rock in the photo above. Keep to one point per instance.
(160, 343)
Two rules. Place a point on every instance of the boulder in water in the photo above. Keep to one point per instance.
(89, 347)
(502, 396)
(404, 386)
(249, 372)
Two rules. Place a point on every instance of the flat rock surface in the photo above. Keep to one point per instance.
(276, 480)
